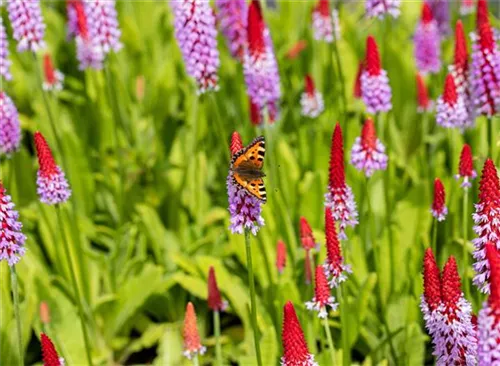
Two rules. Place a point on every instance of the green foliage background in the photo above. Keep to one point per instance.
(149, 214)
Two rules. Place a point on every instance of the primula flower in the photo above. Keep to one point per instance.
(340, 199)
(424, 104)
(295, 351)
(335, 269)
(72, 21)
(322, 297)
(53, 78)
(49, 353)
(488, 322)
(357, 81)
(381, 8)
(375, 88)
(487, 223)
(197, 38)
(441, 11)
(280, 256)
(53, 188)
(306, 235)
(451, 111)
(215, 301)
(481, 13)
(439, 209)
(244, 208)
(103, 24)
(232, 18)
(427, 43)
(466, 167)
(326, 26)
(311, 100)
(368, 153)
(10, 128)
(11, 238)
(27, 24)
(192, 343)
(260, 66)
(467, 7)
(485, 72)
(431, 299)
(4, 54)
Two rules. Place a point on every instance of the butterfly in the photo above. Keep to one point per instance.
(246, 168)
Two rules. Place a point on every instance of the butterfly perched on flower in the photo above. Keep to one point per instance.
(246, 168)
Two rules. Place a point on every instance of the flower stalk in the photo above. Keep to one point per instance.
(330, 341)
(17, 313)
(218, 349)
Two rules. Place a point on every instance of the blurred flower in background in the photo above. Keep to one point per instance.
(466, 167)
(53, 77)
(232, 18)
(4, 54)
(311, 99)
(325, 23)
(439, 209)
(427, 43)
(368, 153)
(450, 109)
(10, 128)
(381, 8)
(27, 24)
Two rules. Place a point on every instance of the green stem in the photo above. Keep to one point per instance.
(253, 304)
(195, 360)
(218, 350)
(75, 285)
(346, 350)
(341, 79)
(17, 313)
(434, 237)
(330, 341)
(465, 254)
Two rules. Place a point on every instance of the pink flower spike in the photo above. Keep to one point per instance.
(4, 54)
(439, 209)
(10, 126)
(11, 237)
(427, 43)
(232, 18)
(192, 343)
(335, 269)
(27, 24)
(467, 7)
(322, 297)
(466, 167)
(311, 100)
(368, 153)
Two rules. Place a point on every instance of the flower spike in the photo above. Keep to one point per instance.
(4, 54)
(322, 297)
(306, 235)
(451, 109)
(311, 100)
(11, 237)
(192, 343)
(232, 18)
(53, 78)
(427, 42)
(27, 24)
(280, 256)
(325, 24)
(381, 8)
(439, 209)
(215, 301)
(49, 353)
(10, 127)
(466, 167)
(335, 269)
(368, 153)
(424, 104)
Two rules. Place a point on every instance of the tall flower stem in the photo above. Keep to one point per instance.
(253, 304)
(465, 254)
(218, 350)
(17, 313)
(78, 297)
(330, 341)
(346, 350)
(434, 236)
(195, 360)
(341, 79)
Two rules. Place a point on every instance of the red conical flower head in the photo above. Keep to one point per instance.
(373, 65)
(214, 298)
(494, 261)
(81, 19)
(422, 94)
(46, 160)
(323, 8)
(44, 313)
(306, 235)
(466, 167)
(321, 290)
(334, 256)
(50, 76)
(192, 343)
(461, 57)
(255, 115)
(439, 209)
(357, 81)
(432, 284)
(255, 29)
(337, 173)
(295, 351)
(427, 16)
(49, 353)
(482, 13)
(450, 285)
(489, 186)
(369, 135)
(309, 85)
(280, 256)
(450, 90)
(236, 143)
(486, 39)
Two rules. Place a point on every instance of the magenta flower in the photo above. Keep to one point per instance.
(53, 188)
(368, 153)
(260, 66)
(11, 238)
(232, 19)
(466, 167)
(451, 111)
(439, 209)
(103, 24)
(10, 128)
(197, 38)
(381, 8)
(311, 100)
(27, 23)
(485, 72)
(427, 43)
(4, 54)
(326, 26)
(375, 88)
(72, 22)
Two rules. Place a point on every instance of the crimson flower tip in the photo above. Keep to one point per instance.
(192, 343)
(49, 353)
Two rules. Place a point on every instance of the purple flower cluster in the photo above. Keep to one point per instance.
(427, 43)
(441, 11)
(451, 111)
(103, 24)
(10, 128)
(368, 152)
(245, 209)
(488, 336)
(11, 238)
(232, 19)
(4, 54)
(312, 105)
(326, 25)
(380, 8)
(341, 201)
(196, 35)
(27, 24)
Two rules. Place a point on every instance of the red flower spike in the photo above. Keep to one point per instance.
(49, 353)
(427, 16)
(337, 172)
(368, 135)
(255, 115)
(236, 143)
(255, 29)
(192, 343)
(296, 49)
(422, 93)
(432, 283)
(466, 167)
(450, 284)
(280, 256)
(323, 8)
(357, 81)
(486, 40)
(461, 56)
(214, 298)
(373, 65)
(306, 235)
(439, 209)
(494, 261)
(46, 160)
(309, 85)
(482, 13)
(81, 19)
(450, 90)
(489, 186)
(295, 351)
(321, 290)
(44, 313)
(48, 67)
(334, 255)
(307, 267)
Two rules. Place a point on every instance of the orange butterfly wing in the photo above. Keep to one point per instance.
(254, 186)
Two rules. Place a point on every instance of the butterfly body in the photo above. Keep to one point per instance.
(246, 168)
